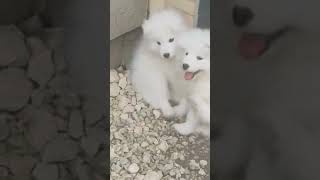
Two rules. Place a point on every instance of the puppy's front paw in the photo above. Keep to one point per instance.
(168, 112)
(183, 128)
(180, 112)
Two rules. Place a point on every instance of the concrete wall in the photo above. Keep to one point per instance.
(204, 14)
(126, 15)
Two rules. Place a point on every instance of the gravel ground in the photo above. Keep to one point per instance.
(144, 146)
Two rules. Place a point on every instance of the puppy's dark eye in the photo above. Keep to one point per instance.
(171, 40)
(187, 53)
(199, 58)
(159, 43)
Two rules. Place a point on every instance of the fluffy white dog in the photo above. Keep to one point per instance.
(154, 66)
(195, 46)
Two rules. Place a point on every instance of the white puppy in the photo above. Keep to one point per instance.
(195, 46)
(154, 65)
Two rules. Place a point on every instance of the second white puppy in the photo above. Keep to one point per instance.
(153, 66)
(195, 46)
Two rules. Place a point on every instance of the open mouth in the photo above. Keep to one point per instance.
(253, 45)
(190, 75)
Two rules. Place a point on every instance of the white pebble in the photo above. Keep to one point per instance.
(114, 77)
(124, 116)
(114, 89)
(163, 146)
(203, 163)
(153, 175)
(133, 168)
(156, 114)
(202, 172)
(123, 82)
(194, 165)
(144, 144)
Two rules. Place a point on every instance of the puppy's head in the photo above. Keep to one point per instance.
(160, 32)
(195, 53)
(264, 22)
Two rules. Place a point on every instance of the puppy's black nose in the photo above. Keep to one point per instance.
(241, 16)
(166, 55)
(185, 66)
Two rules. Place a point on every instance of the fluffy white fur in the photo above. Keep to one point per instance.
(195, 53)
(269, 109)
(152, 72)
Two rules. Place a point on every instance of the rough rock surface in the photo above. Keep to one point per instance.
(15, 89)
(47, 132)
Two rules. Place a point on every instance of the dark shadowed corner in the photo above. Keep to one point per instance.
(53, 89)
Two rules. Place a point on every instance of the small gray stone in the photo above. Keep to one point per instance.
(203, 163)
(114, 89)
(194, 165)
(31, 25)
(22, 166)
(4, 172)
(163, 146)
(41, 68)
(15, 89)
(83, 171)
(59, 60)
(68, 100)
(42, 127)
(60, 149)
(12, 47)
(123, 82)
(202, 172)
(92, 142)
(62, 111)
(156, 114)
(62, 124)
(4, 130)
(36, 45)
(53, 37)
(146, 157)
(59, 84)
(114, 77)
(37, 98)
(93, 111)
(76, 124)
(153, 175)
(45, 171)
(133, 168)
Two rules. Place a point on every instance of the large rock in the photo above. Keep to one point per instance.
(60, 149)
(42, 127)
(93, 111)
(22, 166)
(53, 37)
(76, 124)
(31, 25)
(45, 171)
(15, 89)
(41, 68)
(12, 47)
(95, 138)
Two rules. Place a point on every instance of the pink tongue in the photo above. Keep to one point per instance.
(251, 46)
(188, 75)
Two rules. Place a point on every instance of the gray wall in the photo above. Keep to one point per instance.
(204, 14)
